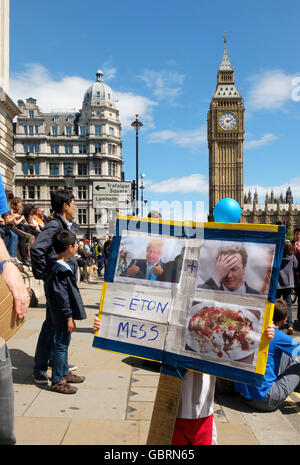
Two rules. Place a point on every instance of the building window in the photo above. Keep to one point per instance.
(56, 118)
(98, 129)
(54, 169)
(54, 149)
(52, 189)
(97, 218)
(70, 119)
(68, 131)
(31, 147)
(82, 131)
(82, 149)
(30, 192)
(31, 168)
(68, 148)
(112, 169)
(54, 131)
(82, 169)
(111, 148)
(81, 215)
(68, 169)
(24, 192)
(111, 131)
(98, 167)
(30, 127)
(98, 147)
(25, 129)
(38, 192)
(82, 192)
(31, 114)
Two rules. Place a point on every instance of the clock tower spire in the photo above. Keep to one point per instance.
(225, 136)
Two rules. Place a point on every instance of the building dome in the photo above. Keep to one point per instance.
(98, 91)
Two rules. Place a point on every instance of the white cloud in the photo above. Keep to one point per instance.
(193, 139)
(271, 90)
(67, 93)
(130, 105)
(192, 183)
(264, 140)
(166, 85)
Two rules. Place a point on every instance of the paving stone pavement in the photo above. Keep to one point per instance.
(114, 405)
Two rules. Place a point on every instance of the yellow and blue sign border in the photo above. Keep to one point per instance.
(173, 363)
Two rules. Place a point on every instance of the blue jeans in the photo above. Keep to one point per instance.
(7, 436)
(62, 339)
(288, 380)
(100, 261)
(43, 351)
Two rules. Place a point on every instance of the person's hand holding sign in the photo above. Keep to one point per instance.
(133, 269)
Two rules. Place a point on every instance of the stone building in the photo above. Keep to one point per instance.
(53, 149)
(8, 109)
(281, 209)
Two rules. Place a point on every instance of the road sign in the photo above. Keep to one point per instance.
(110, 194)
(112, 188)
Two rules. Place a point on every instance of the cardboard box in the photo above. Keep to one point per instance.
(9, 323)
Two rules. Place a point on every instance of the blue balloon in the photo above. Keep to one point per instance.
(227, 211)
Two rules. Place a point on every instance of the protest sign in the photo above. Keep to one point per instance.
(191, 295)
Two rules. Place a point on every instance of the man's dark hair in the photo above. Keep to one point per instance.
(297, 229)
(62, 239)
(59, 197)
(281, 310)
(154, 214)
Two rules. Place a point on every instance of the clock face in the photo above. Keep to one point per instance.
(228, 120)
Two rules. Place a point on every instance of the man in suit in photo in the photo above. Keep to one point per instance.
(229, 271)
(152, 267)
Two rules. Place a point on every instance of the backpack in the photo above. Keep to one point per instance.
(35, 265)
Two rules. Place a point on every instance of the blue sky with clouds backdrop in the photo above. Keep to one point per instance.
(161, 59)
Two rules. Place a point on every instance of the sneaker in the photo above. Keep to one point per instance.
(63, 388)
(40, 378)
(290, 330)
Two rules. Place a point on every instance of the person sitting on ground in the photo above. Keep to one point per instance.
(13, 219)
(32, 226)
(38, 217)
(65, 306)
(289, 265)
(282, 374)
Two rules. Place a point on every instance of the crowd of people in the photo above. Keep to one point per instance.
(49, 246)
(20, 226)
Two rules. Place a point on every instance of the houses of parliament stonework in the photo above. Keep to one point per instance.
(225, 135)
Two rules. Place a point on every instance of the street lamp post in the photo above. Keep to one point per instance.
(142, 187)
(137, 125)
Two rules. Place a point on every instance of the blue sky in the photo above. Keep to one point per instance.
(161, 59)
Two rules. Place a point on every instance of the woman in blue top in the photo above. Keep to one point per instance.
(282, 374)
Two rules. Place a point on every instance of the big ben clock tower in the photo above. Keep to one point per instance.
(225, 135)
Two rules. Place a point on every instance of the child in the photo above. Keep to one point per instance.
(65, 306)
(195, 418)
(282, 374)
